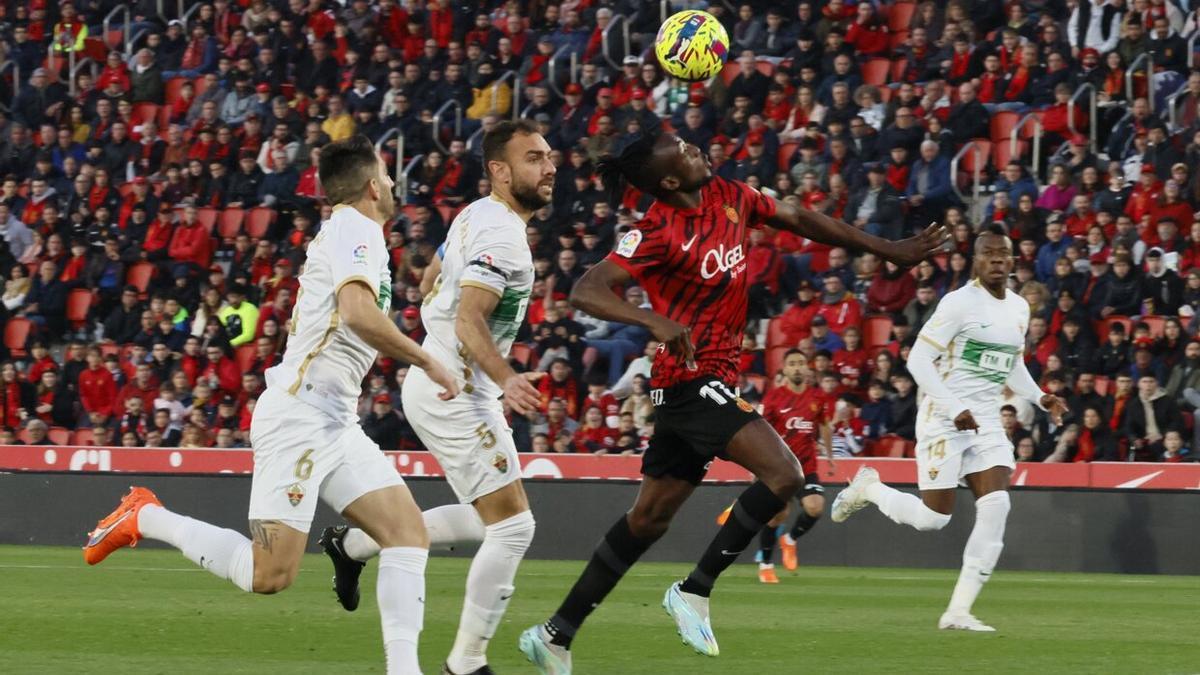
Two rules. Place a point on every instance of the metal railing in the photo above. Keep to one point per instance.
(552, 67)
(408, 169)
(971, 146)
(399, 168)
(1191, 47)
(16, 75)
(119, 9)
(1172, 108)
(1088, 89)
(612, 23)
(1144, 57)
(437, 122)
(1036, 140)
(137, 38)
(525, 111)
(664, 11)
(187, 16)
(516, 94)
(178, 10)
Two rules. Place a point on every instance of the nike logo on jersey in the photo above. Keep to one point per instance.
(688, 246)
(784, 411)
(985, 325)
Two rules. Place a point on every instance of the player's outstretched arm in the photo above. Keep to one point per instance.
(475, 305)
(822, 228)
(593, 293)
(356, 306)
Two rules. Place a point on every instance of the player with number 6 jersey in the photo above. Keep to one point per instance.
(689, 253)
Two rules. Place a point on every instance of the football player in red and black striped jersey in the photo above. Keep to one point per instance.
(688, 253)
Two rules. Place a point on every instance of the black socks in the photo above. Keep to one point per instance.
(753, 509)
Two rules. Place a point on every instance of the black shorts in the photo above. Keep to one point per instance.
(693, 423)
(812, 485)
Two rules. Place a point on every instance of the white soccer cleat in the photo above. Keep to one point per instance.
(854, 497)
(548, 658)
(691, 619)
(963, 622)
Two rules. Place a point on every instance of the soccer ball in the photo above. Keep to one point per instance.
(692, 45)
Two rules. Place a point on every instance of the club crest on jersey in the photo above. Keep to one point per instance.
(731, 213)
(933, 473)
(744, 405)
(295, 494)
(359, 255)
(629, 243)
(500, 462)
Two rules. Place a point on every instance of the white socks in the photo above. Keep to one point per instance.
(225, 553)
(400, 592)
(489, 588)
(448, 526)
(982, 550)
(904, 508)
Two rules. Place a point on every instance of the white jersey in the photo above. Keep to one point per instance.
(325, 362)
(982, 339)
(485, 248)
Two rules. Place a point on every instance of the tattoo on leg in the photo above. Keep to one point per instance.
(263, 533)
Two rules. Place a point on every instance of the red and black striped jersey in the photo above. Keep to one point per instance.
(692, 265)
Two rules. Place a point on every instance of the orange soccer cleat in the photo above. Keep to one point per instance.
(766, 574)
(788, 552)
(119, 528)
(724, 515)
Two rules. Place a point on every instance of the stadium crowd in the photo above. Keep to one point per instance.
(156, 201)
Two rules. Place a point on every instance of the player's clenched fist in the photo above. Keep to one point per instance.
(676, 337)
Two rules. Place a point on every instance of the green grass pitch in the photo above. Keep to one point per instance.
(151, 611)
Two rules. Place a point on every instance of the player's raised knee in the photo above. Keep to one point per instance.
(930, 520)
(786, 482)
(648, 523)
(271, 579)
(398, 533)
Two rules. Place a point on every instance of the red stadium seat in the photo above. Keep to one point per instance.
(107, 348)
(784, 159)
(900, 15)
(896, 70)
(730, 71)
(172, 89)
(1156, 323)
(775, 360)
(521, 353)
(1002, 125)
(83, 437)
(875, 71)
(230, 223)
(259, 221)
(139, 275)
(776, 337)
(114, 38)
(59, 435)
(447, 212)
(207, 216)
(897, 39)
(94, 49)
(888, 445)
(144, 111)
(765, 67)
(79, 301)
(876, 330)
(199, 84)
(244, 356)
(1103, 325)
(1002, 153)
(982, 154)
(16, 334)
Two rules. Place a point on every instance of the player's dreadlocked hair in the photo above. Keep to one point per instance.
(629, 161)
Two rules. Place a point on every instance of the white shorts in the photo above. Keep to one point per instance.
(943, 460)
(301, 452)
(469, 437)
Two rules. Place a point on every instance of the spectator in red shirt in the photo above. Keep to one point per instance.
(838, 305)
(796, 321)
(143, 385)
(850, 362)
(191, 244)
(868, 34)
(892, 289)
(42, 362)
(219, 372)
(97, 388)
(561, 385)
(594, 435)
(599, 397)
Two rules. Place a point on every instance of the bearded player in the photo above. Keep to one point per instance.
(970, 349)
(305, 429)
(797, 412)
(472, 313)
(688, 252)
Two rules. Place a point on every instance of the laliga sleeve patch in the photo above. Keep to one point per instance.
(359, 255)
(629, 243)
